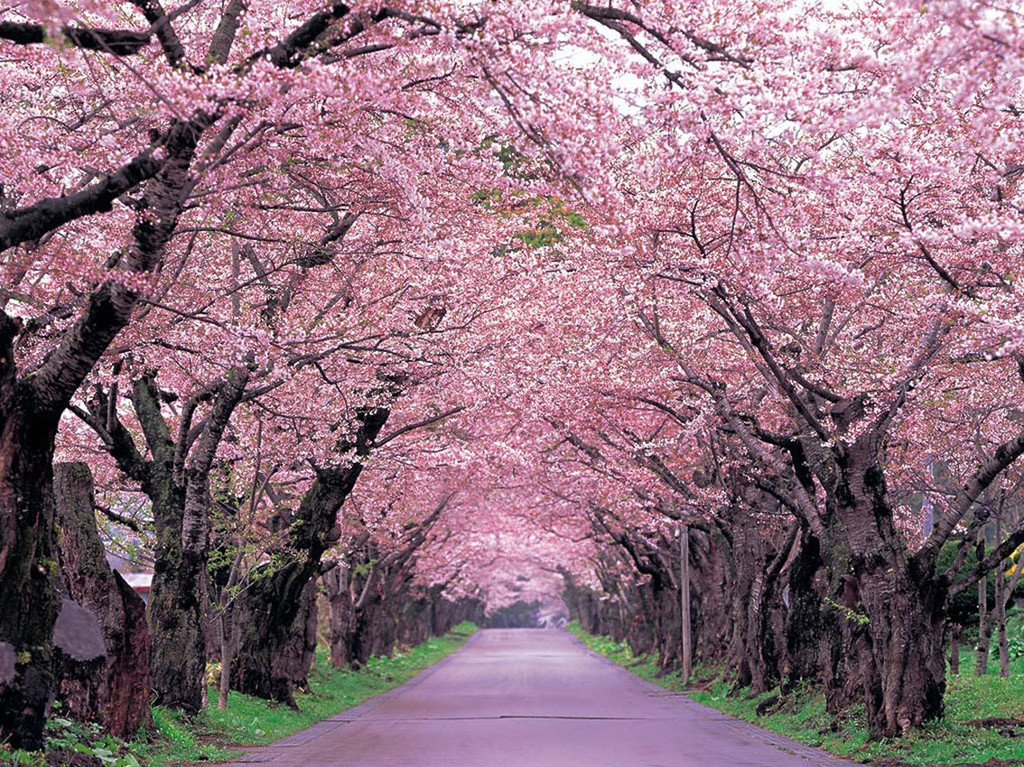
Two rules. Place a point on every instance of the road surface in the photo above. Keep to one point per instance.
(532, 698)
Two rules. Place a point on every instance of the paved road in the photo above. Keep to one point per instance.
(532, 698)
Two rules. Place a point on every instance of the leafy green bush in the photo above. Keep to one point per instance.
(1016, 644)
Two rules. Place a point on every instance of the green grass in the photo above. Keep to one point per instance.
(803, 717)
(217, 735)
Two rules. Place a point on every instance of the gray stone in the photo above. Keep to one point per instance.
(77, 633)
(8, 659)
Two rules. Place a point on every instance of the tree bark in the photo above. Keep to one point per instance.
(177, 607)
(178, 599)
(808, 629)
(28, 571)
(340, 615)
(684, 600)
(714, 575)
(984, 620)
(117, 696)
(893, 616)
(1000, 606)
(277, 634)
(227, 658)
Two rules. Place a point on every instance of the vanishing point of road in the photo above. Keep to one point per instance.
(533, 698)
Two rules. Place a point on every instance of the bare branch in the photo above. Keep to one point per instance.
(118, 42)
(33, 221)
(419, 425)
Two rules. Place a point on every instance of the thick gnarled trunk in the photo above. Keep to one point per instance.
(277, 634)
(176, 479)
(176, 609)
(753, 652)
(179, 602)
(893, 633)
(28, 575)
(892, 617)
(808, 628)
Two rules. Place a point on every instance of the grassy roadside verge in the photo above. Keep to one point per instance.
(968, 734)
(217, 735)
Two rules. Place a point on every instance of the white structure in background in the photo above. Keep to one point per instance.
(141, 583)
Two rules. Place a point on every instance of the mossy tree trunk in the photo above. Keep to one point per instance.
(28, 570)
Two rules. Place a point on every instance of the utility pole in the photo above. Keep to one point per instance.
(684, 599)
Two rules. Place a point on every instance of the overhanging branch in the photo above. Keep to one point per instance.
(119, 42)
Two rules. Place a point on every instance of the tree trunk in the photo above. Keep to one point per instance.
(339, 616)
(177, 482)
(713, 576)
(177, 607)
(756, 597)
(954, 648)
(299, 654)
(28, 574)
(893, 617)
(1000, 606)
(1004, 645)
(354, 617)
(226, 659)
(227, 626)
(984, 620)
(276, 635)
(273, 656)
(363, 637)
(745, 593)
(684, 602)
(117, 697)
(808, 628)
(901, 653)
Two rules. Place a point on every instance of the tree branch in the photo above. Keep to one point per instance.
(33, 221)
(418, 425)
(118, 42)
(993, 560)
(116, 518)
(966, 496)
(160, 23)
